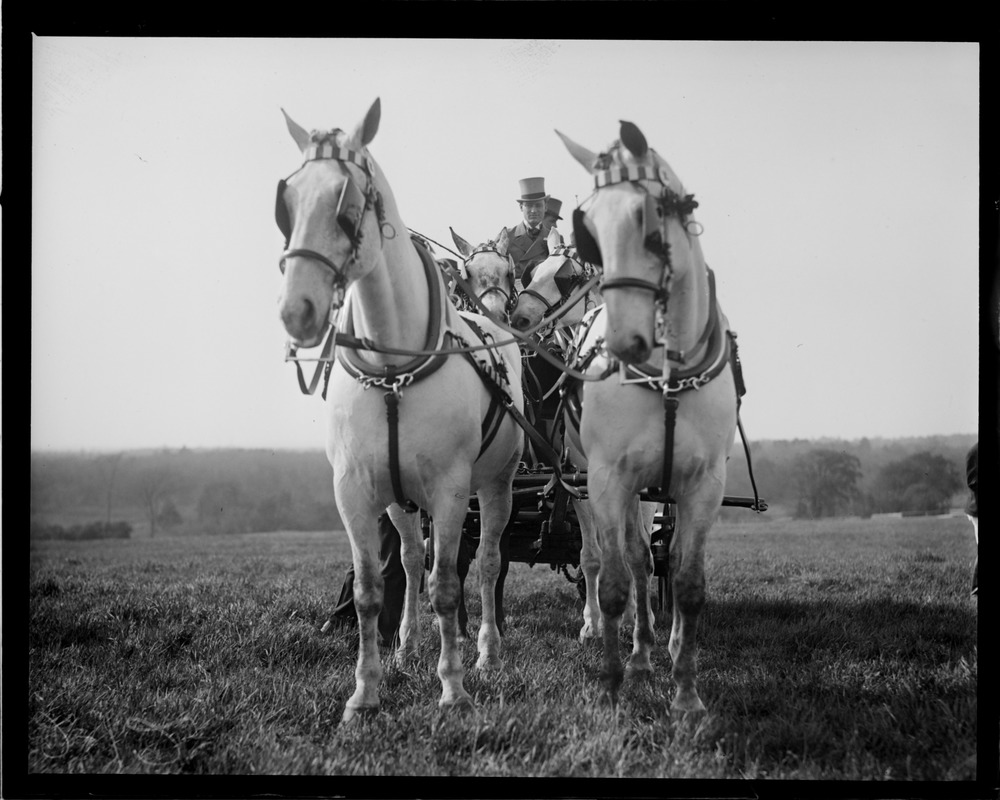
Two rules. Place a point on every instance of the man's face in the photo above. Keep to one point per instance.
(533, 211)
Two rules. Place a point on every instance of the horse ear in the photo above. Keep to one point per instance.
(299, 134)
(633, 139)
(463, 246)
(586, 157)
(503, 241)
(366, 131)
(554, 238)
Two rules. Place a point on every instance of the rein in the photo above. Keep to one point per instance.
(334, 338)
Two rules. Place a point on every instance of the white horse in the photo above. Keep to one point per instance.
(488, 270)
(553, 283)
(661, 323)
(404, 431)
(550, 286)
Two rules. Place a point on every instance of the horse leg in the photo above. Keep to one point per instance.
(502, 576)
(444, 591)
(640, 562)
(368, 590)
(463, 572)
(590, 563)
(412, 556)
(495, 508)
(610, 501)
(694, 518)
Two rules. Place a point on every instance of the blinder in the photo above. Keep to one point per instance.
(350, 210)
(565, 278)
(281, 213)
(652, 217)
(586, 246)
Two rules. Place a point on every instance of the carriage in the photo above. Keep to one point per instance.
(544, 528)
(458, 453)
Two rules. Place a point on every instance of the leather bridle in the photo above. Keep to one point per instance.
(656, 211)
(352, 207)
(568, 286)
(510, 299)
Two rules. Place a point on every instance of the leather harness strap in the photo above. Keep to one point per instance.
(721, 351)
(542, 447)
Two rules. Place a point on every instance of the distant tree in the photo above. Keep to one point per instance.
(274, 512)
(923, 481)
(827, 483)
(168, 516)
(223, 507)
(40, 487)
(155, 481)
(108, 466)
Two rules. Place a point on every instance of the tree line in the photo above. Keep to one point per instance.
(244, 491)
(829, 478)
(186, 491)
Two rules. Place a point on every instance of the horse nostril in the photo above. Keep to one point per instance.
(308, 313)
(299, 318)
(639, 349)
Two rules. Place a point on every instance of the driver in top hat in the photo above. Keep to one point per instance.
(527, 239)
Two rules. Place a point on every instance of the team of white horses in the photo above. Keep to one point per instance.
(415, 387)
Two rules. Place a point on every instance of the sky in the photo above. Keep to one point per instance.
(838, 185)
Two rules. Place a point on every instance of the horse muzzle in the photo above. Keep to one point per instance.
(303, 323)
(629, 332)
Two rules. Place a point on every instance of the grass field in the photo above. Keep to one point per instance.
(836, 650)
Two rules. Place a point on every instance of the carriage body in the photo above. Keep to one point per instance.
(544, 528)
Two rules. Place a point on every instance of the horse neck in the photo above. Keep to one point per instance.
(391, 304)
(688, 310)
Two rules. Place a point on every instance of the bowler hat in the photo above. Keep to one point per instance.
(552, 207)
(532, 189)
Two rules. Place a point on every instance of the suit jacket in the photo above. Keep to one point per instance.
(525, 251)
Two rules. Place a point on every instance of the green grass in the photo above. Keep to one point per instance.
(841, 649)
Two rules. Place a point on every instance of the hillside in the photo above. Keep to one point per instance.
(243, 489)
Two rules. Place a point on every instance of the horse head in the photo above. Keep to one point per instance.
(489, 271)
(550, 285)
(332, 212)
(637, 226)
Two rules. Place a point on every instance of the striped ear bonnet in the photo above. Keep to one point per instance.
(353, 200)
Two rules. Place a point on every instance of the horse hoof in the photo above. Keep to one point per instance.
(356, 715)
(589, 634)
(461, 705)
(608, 699)
(490, 663)
(611, 682)
(687, 705)
(635, 672)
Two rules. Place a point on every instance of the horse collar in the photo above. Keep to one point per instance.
(396, 377)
